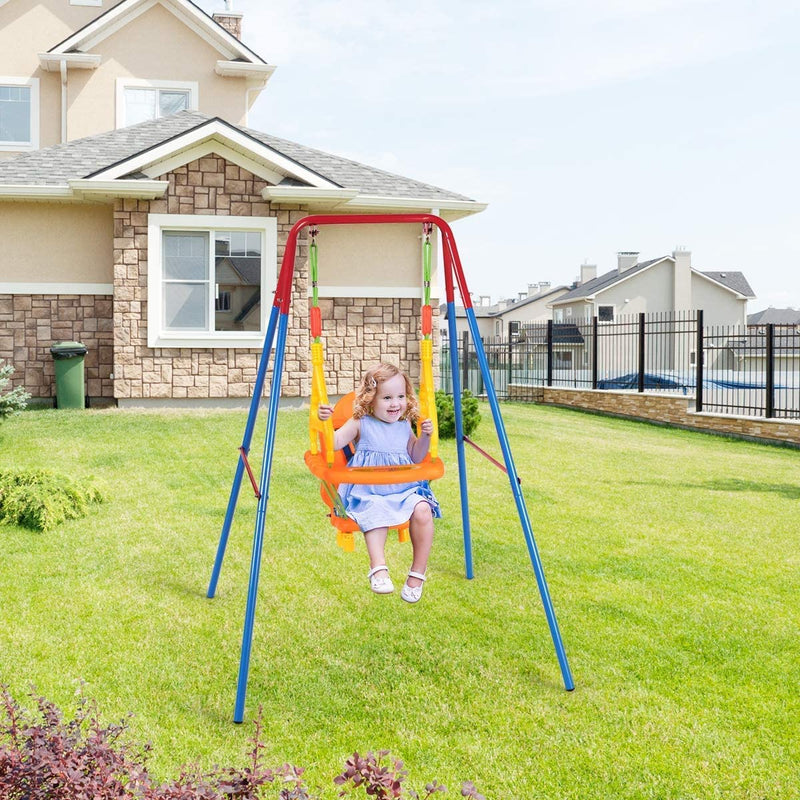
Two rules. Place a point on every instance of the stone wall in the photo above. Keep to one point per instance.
(357, 331)
(30, 324)
(209, 185)
(668, 409)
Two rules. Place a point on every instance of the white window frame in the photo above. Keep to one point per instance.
(207, 223)
(33, 85)
(136, 83)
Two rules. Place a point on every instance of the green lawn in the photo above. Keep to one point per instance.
(672, 560)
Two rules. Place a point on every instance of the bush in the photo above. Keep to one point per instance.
(43, 756)
(41, 500)
(14, 401)
(445, 411)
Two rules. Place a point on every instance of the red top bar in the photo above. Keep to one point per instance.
(452, 262)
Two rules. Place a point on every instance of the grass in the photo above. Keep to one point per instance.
(671, 558)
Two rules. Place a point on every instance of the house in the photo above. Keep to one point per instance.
(776, 316)
(496, 319)
(141, 215)
(660, 285)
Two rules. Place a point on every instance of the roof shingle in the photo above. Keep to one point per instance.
(83, 158)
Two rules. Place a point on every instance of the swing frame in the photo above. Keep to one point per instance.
(278, 327)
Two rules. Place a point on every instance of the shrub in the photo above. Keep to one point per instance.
(445, 411)
(11, 402)
(41, 500)
(44, 756)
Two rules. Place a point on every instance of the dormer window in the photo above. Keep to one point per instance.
(19, 113)
(141, 101)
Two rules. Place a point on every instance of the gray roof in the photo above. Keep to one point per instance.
(83, 158)
(777, 316)
(604, 281)
(733, 280)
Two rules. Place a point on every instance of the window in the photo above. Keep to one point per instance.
(140, 101)
(562, 359)
(558, 315)
(19, 113)
(605, 313)
(210, 281)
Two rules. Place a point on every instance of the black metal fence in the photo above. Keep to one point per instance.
(742, 370)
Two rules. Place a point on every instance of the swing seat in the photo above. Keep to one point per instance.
(428, 469)
(331, 476)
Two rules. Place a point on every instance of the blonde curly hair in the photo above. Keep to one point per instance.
(368, 389)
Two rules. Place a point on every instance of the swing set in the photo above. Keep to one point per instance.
(330, 466)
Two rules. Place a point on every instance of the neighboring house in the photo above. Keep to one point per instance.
(667, 285)
(661, 285)
(157, 245)
(494, 319)
(776, 316)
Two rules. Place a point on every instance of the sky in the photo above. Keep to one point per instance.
(588, 126)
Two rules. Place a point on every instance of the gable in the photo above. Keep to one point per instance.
(118, 17)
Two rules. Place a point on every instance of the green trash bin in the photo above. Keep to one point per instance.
(68, 357)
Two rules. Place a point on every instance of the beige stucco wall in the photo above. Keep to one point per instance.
(370, 255)
(154, 46)
(29, 27)
(720, 307)
(648, 291)
(56, 243)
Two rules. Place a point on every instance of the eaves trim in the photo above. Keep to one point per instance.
(229, 135)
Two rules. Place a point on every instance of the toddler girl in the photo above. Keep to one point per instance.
(384, 408)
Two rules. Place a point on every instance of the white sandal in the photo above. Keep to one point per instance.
(380, 583)
(412, 594)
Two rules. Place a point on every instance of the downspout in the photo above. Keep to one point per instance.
(63, 100)
(247, 103)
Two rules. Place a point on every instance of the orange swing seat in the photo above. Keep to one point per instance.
(331, 475)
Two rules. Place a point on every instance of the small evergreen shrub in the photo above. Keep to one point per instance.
(41, 500)
(11, 402)
(445, 412)
(44, 756)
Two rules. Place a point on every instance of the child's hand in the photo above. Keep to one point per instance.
(324, 411)
(426, 427)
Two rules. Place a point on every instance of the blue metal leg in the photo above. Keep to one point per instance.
(261, 513)
(246, 439)
(462, 464)
(533, 551)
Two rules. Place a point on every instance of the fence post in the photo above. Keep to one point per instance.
(594, 352)
(549, 352)
(510, 360)
(641, 352)
(464, 360)
(770, 390)
(699, 359)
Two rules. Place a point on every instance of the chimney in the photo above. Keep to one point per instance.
(588, 272)
(626, 260)
(682, 284)
(533, 288)
(228, 20)
(544, 286)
